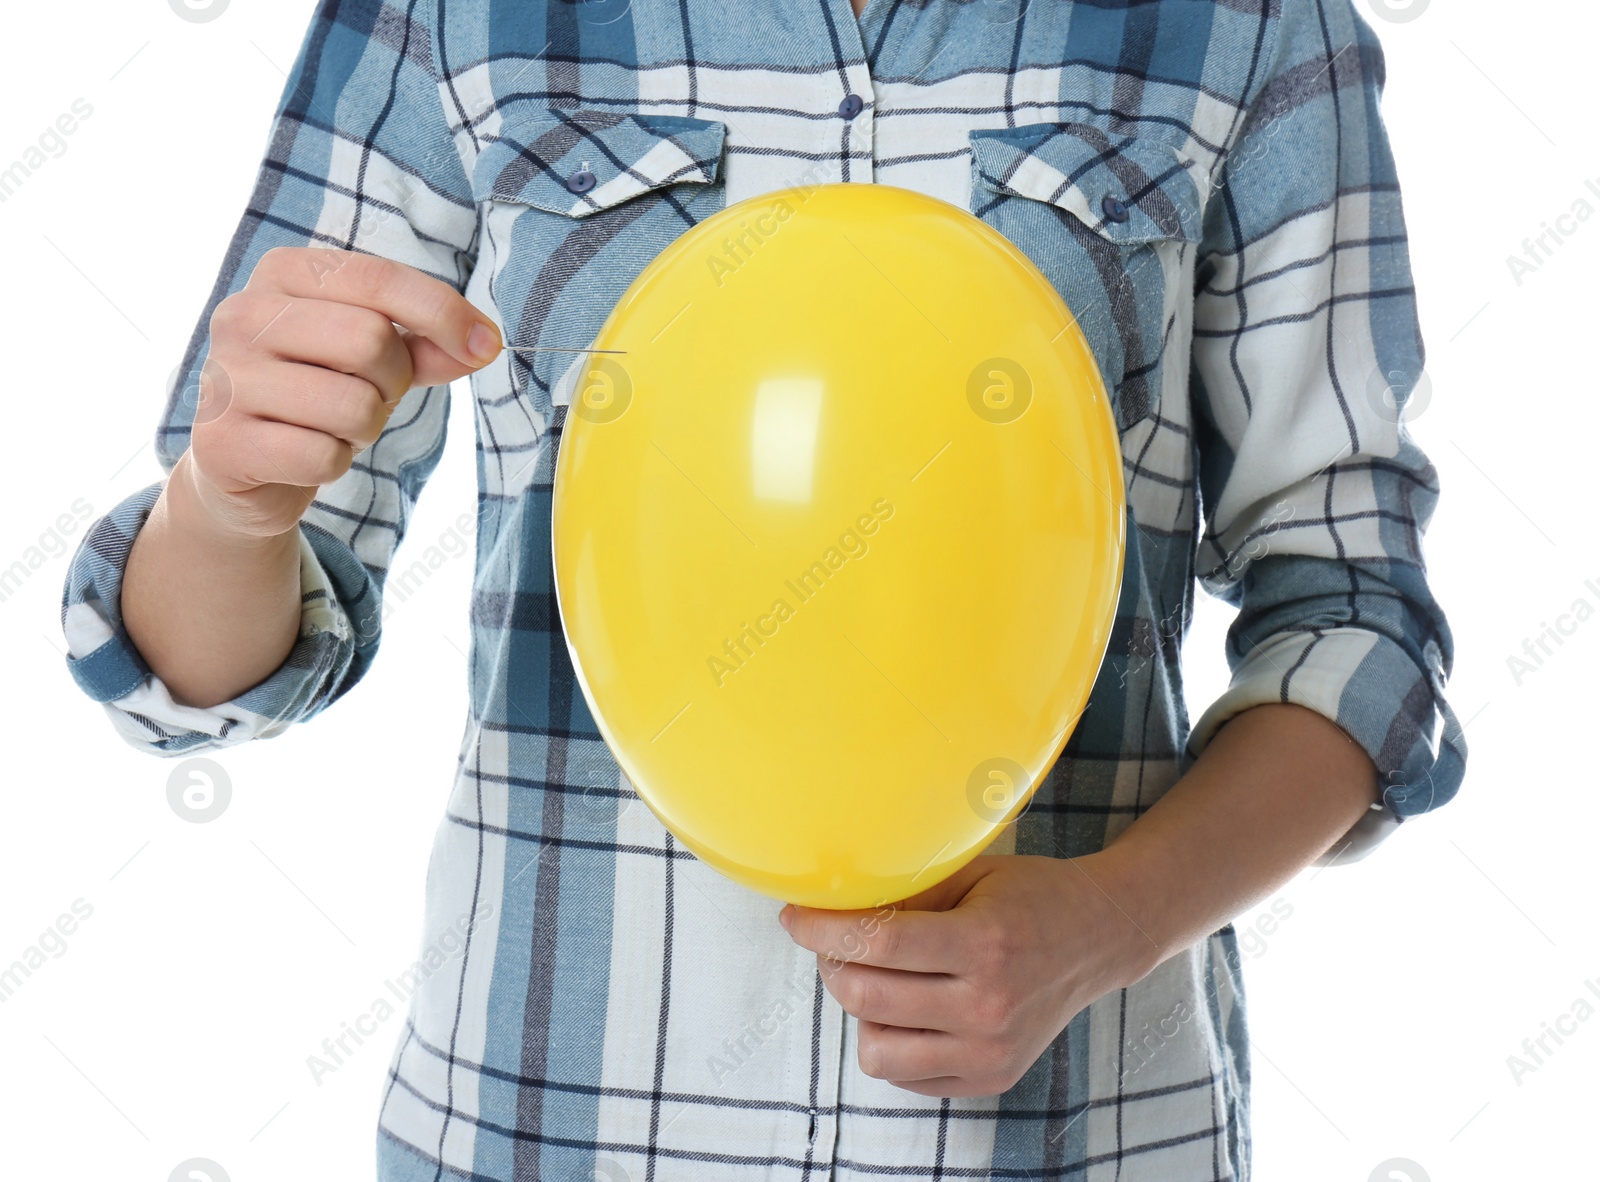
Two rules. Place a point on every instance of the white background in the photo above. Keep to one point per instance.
(219, 956)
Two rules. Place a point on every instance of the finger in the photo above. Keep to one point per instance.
(917, 1001)
(895, 1053)
(915, 941)
(427, 306)
(897, 935)
(337, 404)
(431, 365)
(264, 451)
(343, 338)
(948, 893)
(944, 1085)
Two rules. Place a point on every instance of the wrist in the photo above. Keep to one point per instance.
(1123, 881)
(198, 511)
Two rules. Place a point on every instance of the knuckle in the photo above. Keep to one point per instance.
(330, 402)
(218, 445)
(231, 316)
(371, 278)
(869, 1055)
(407, 380)
(327, 262)
(371, 342)
(857, 992)
(277, 265)
(369, 412)
(274, 262)
(1008, 944)
(800, 928)
(325, 457)
(890, 940)
(847, 992)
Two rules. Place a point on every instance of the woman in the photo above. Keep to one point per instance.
(1208, 186)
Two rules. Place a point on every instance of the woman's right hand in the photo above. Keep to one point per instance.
(307, 362)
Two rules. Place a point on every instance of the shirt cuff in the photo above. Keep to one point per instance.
(1368, 685)
(109, 668)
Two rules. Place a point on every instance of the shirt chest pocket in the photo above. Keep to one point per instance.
(573, 204)
(1110, 220)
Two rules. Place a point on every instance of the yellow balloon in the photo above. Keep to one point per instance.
(838, 538)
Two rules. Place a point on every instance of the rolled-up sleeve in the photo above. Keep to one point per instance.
(1315, 496)
(107, 666)
(361, 156)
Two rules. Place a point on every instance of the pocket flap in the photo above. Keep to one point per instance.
(540, 158)
(1093, 175)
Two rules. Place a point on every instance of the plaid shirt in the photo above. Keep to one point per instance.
(1209, 186)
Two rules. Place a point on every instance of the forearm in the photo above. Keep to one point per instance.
(1275, 788)
(212, 612)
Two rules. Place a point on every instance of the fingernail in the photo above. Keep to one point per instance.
(483, 342)
(783, 917)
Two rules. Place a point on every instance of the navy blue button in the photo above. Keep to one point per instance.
(1114, 208)
(581, 181)
(851, 106)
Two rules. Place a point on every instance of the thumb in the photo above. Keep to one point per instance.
(948, 893)
(432, 366)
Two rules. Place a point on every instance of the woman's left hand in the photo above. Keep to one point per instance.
(960, 988)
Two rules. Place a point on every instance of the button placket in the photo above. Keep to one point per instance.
(854, 102)
(855, 110)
